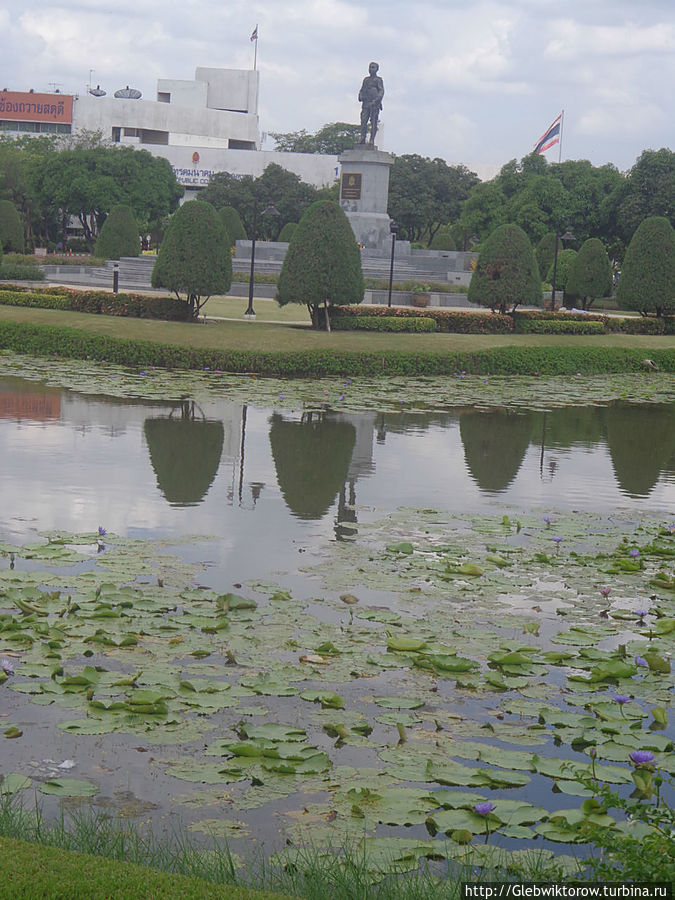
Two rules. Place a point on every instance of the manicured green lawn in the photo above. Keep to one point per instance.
(266, 336)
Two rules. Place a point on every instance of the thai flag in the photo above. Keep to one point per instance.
(254, 34)
(550, 137)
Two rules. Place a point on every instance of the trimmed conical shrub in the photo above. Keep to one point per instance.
(647, 282)
(507, 273)
(119, 235)
(590, 275)
(233, 225)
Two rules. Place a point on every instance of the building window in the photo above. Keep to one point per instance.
(163, 97)
(240, 145)
(130, 132)
(116, 134)
(149, 136)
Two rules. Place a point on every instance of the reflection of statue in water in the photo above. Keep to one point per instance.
(370, 95)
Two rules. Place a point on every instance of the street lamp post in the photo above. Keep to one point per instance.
(393, 227)
(567, 236)
(270, 210)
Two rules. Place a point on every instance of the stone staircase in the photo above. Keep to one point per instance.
(134, 274)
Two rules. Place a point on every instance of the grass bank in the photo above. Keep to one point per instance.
(278, 349)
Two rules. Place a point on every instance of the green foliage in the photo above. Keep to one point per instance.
(287, 232)
(442, 240)
(139, 306)
(447, 321)
(648, 190)
(290, 195)
(560, 326)
(194, 256)
(545, 251)
(647, 281)
(565, 259)
(42, 340)
(119, 235)
(323, 262)
(384, 323)
(88, 181)
(590, 274)
(12, 272)
(506, 273)
(11, 227)
(332, 139)
(424, 193)
(233, 225)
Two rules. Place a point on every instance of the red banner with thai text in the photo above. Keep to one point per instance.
(26, 107)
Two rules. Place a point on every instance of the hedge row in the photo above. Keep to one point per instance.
(137, 306)
(447, 321)
(10, 271)
(384, 323)
(43, 340)
(560, 326)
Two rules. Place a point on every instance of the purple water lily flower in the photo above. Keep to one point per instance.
(642, 757)
(621, 699)
(641, 613)
(484, 808)
(641, 661)
(101, 531)
(7, 667)
(605, 591)
(341, 397)
(634, 553)
(547, 520)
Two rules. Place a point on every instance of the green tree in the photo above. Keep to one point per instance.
(647, 282)
(590, 275)
(323, 263)
(87, 182)
(484, 209)
(287, 231)
(194, 256)
(648, 190)
(233, 225)
(290, 195)
(545, 252)
(22, 160)
(443, 240)
(332, 139)
(565, 259)
(426, 193)
(119, 235)
(11, 227)
(506, 273)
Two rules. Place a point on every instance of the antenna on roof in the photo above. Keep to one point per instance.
(128, 93)
(97, 92)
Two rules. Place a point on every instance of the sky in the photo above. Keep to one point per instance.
(475, 83)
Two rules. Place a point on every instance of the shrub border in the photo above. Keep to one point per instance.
(46, 340)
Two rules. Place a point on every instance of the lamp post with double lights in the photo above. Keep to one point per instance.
(567, 236)
(270, 210)
(393, 228)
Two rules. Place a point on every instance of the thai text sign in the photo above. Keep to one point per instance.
(26, 107)
(351, 186)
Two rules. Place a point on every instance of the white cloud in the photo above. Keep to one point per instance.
(575, 40)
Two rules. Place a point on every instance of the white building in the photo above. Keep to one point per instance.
(202, 127)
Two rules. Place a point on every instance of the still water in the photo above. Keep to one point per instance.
(261, 479)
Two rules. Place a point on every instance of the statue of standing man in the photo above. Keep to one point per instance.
(370, 95)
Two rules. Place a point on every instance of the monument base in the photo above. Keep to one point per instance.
(364, 190)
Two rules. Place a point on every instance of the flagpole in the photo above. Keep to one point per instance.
(255, 54)
(562, 123)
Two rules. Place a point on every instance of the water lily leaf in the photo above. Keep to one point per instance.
(12, 732)
(230, 602)
(327, 699)
(404, 643)
(506, 759)
(272, 732)
(449, 820)
(404, 547)
(68, 787)
(12, 783)
(657, 663)
(88, 726)
(398, 702)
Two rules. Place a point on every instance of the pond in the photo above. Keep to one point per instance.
(266, 619)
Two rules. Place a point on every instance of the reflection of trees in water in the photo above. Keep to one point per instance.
(495, 444)
(345, 520)
(571, 426)
(312, 459)
(641, 441)
(185, 453)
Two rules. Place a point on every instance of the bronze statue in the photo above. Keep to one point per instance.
(370, 95)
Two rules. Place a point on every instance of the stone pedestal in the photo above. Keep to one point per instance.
(364, 191)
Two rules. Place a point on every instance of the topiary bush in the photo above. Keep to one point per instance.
(506, 273)
(545, 252)
(442, 240)
(119, 235)
(384, 323)
(233, 225)
(287, 232)
(11, 228)
(322, 266)
(194, 257)
(565, 259)
(647, 282)
(590, 273)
